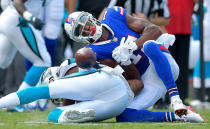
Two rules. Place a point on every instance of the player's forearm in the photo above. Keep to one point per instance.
(133, 77)
(150, 33)
(135, 85)
(70, 5)
(19, 5)
(108, 62)
(160, 21)
(131, 72)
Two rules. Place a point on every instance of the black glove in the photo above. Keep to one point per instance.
(37, 23)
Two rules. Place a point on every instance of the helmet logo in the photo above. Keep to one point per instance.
(70, 20)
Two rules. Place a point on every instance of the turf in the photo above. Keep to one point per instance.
(38, 120)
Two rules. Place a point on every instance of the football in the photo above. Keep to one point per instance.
(85, 58)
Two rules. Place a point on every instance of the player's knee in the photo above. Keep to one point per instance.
(3, 66)
(150, 48)
(44, 62)
(174, 68)
(4, 63)
(7, 51)
(175, 71)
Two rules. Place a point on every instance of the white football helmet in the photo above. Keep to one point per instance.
(49, 75)
(75, 27)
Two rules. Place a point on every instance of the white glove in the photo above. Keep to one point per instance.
(166, 39)
(123, 52)
(36, 22)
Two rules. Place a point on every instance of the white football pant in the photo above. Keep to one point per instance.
(107, 94)
(12, 38)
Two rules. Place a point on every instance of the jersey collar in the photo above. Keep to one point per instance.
(102, 42)
(108, 28)
(106, 41)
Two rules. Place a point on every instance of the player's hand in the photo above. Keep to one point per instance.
(37, 23)
(166, 40)
(123, 52)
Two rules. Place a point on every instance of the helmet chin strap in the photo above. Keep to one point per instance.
(98, 33)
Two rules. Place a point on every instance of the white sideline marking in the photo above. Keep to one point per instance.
(33, 122)
(2, 124)
(181, 123)
(85, 124)
(107, 124)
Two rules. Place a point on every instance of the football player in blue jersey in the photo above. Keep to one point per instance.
(145, 46)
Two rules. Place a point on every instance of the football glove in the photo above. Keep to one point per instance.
(36, 22)
(123, 52)
(166, 40)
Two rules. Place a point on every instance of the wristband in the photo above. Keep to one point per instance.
(27, 15)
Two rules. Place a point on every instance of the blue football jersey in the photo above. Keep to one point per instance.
(114, 19)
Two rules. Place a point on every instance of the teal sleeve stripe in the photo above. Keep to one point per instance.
(34, 93)
(72, 60)
(80, 73)
(29, 36)
(54, 115)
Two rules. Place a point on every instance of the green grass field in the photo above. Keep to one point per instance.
(38, 120)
